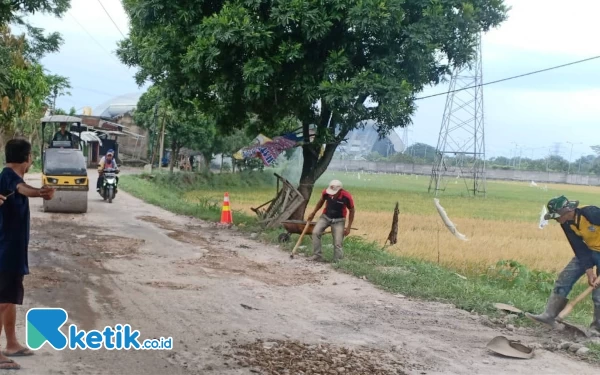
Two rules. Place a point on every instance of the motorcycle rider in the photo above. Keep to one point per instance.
(107, 162)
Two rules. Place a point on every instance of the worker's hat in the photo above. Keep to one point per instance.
(510, 348)
(110, 152)
(334, 187)
(559, 206)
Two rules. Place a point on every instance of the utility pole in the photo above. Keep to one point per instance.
(513, 158)
(153, 133)
(162, 144)
(571, 155)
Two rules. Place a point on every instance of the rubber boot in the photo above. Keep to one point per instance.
(555, 305)
(595, 326)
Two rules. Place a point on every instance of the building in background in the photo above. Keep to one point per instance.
(112, 121)
(362, 142)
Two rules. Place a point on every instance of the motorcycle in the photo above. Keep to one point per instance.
(108, 189)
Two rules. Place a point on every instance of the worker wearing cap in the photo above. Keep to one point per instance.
(63, 135)
(107, 162)
(581, 226)
(339, 203)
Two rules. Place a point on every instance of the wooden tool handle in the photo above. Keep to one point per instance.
(300, 238)
(567, 310)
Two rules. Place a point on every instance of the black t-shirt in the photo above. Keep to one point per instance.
(14, 225)
(337, 206)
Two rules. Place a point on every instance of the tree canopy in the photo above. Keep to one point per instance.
(183, 129)
(328, 64)
(25, 86)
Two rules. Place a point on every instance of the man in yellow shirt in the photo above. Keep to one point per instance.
(581, 226)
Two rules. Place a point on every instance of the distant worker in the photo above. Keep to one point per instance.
(339, 203)
(107, 162)
(581, 226)
(63, 135)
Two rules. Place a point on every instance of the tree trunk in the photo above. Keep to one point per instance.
(313, 167)
(172, 161)
(207, 159)
(307, 179)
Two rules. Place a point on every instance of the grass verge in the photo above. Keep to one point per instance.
(507, 282)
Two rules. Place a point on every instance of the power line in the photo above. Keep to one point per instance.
(510, 78)
(94, 91)
(94, 39)
(114, 23)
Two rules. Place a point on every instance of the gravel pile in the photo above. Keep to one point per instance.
(293, 357)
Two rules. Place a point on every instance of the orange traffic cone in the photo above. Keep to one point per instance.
(226, 217)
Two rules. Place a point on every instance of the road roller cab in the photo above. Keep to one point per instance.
(64, 167)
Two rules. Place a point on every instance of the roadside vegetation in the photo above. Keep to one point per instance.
(472, 286)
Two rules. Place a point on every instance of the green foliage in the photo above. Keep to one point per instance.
(184, 127)
(24, 85)
(14, 11)
(58, 86)
(331, 64)
(511, 273)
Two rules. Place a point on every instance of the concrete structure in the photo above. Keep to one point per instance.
(113, 121)
(491, 174)
(118, 105)
(362, 142)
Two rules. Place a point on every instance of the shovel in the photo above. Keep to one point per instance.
(568, 327)
(299, 240)
(567, 310)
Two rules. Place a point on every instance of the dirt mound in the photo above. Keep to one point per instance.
(188, 235)
(80, 240)
(292, 357)
(42, 277)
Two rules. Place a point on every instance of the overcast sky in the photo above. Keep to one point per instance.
(532, 113)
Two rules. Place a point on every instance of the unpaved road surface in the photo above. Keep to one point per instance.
(216, 291)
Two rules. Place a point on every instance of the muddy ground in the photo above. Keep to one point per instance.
(235, 306)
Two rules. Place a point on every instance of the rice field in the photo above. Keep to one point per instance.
(502, 226)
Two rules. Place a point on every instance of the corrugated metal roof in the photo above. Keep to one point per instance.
(90, 137)
(60, 118)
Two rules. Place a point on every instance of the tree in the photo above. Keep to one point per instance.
(229, 144)
(186, 127)
(330, 64)
(23, 84)
(59, 86)
(422, 151)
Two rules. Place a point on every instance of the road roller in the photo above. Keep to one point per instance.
(64, 167)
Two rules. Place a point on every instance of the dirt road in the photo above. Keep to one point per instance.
(216, 291)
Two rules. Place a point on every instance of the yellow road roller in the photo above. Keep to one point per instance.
(64, 167)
